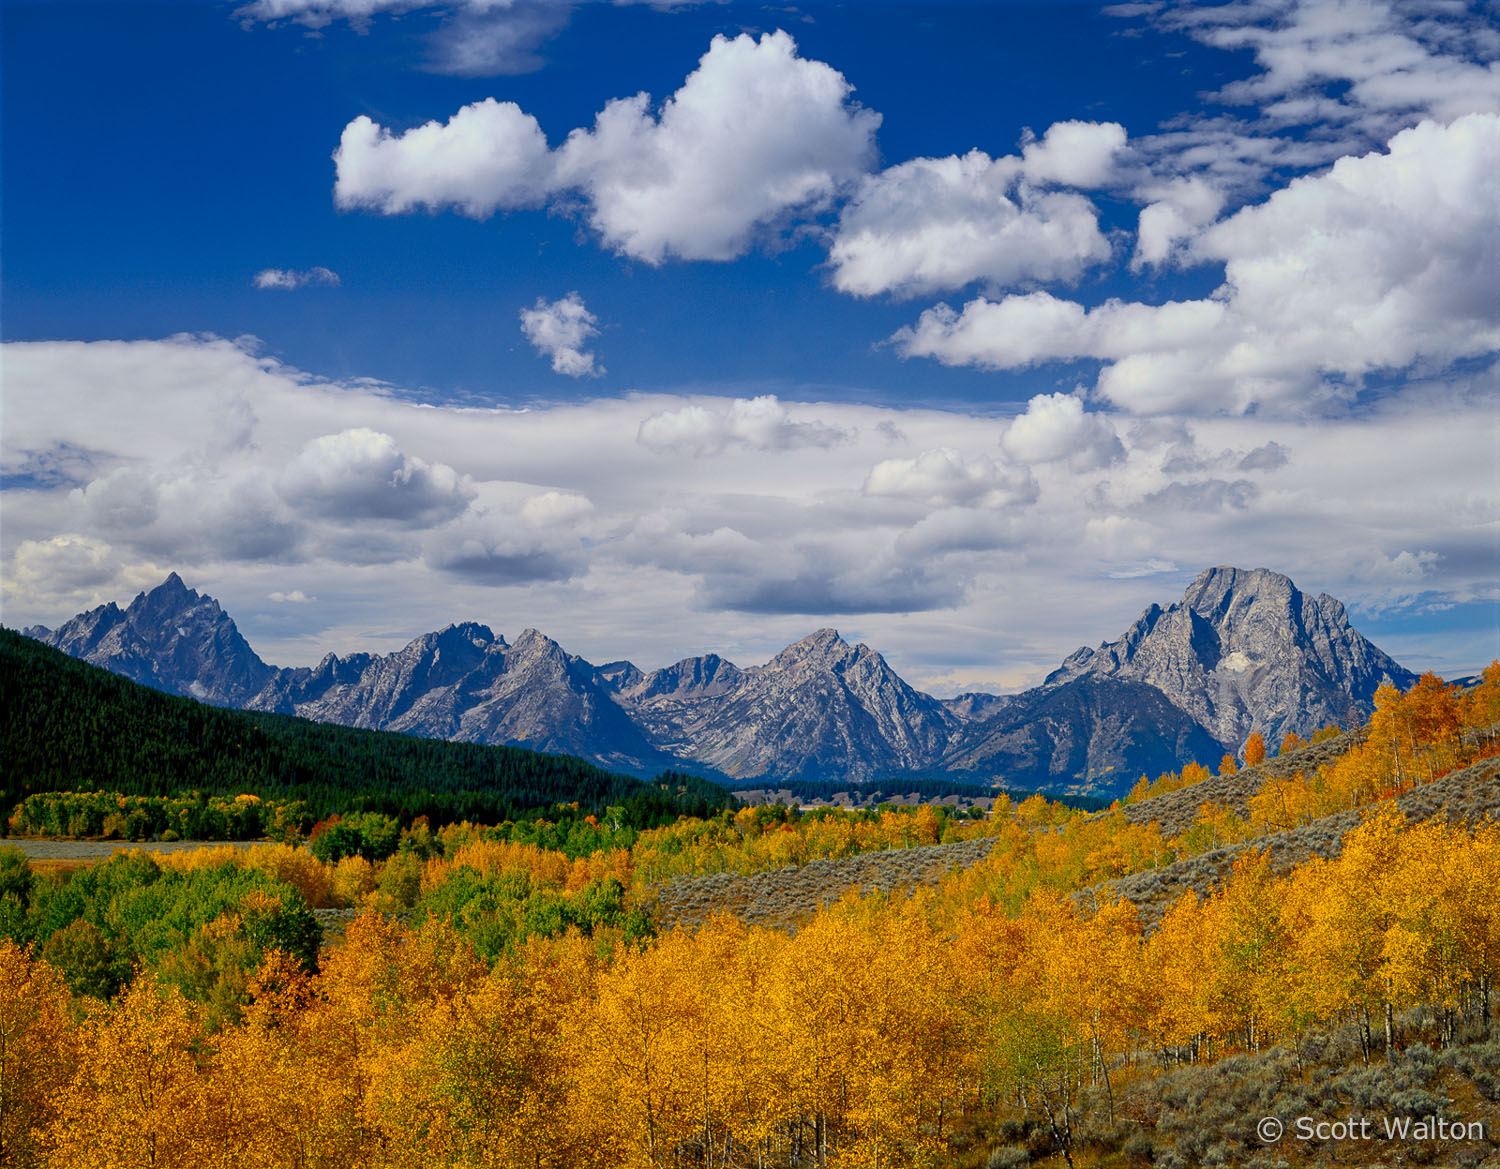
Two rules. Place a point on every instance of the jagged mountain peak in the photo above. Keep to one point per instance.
(470, 632)
(826, 649)
(534, 644)
(1244, 650)
(172, 638)
(172, 595)
(822, 641)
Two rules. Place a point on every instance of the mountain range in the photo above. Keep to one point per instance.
(1242, 651)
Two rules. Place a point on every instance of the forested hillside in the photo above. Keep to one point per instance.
(516, 995)
(69, 726)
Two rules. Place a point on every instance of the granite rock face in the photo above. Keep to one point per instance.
(1242, 651)
(1246, 650)
(465, 683)
(820, 709)
(173, 639)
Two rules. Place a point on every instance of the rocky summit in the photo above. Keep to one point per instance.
(1242, 651)
(819, 709)
(172, 638)
(1247, 651)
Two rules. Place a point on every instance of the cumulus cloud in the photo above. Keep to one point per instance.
(235, 515)
(1210, 495)
(287, 279)
(959, 529)
(939, 223)
(1268, 457)
(495, 547)
(944, 476)
(576, 527)
(124, 499)
(1382, 261)
(490, 156)
(758, 424)
(1028, 329)
(1177, 212)
(755, 133)
(1055, 427)
(1074, 154)
(818, 587)
(362, 474)
(551, 508)
(295, 597)
(65, 563)
(192, 508)
(1354, 73)
(560, 329)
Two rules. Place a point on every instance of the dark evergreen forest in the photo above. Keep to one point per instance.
(68, 726)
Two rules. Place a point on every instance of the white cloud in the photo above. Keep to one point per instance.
(124, 499)
(553, 508)
(1336, 77)
(361, 474)
(59, 574)
(482, 37)
(475, 38)
(497, 547)
(1337, 60)
(939, 223)
(577, 528)
(318, 13)
(1074, 154)
(1178, 211)
(1383, 261)
(287, 279)
(489, 156)
(295, 597)
(944, 476)
(1056, 427)
(754, 134)
(560, 330)
(71, 561)
(758, 424)
(1025, 330)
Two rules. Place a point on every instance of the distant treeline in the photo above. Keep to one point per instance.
(927, 790)
(68, 726)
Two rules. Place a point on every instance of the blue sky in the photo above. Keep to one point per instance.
(967, 328)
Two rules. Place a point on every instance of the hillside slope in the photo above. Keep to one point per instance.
(67, 725)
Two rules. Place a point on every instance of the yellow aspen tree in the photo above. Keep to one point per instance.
(1179, 1007)
(139, 1096)
(1391, 732)
(632, 1082)
(1282, 804)
(1482, 710)
(1344, 914)
(1247, 948)
(272, 1094)
(38, 1052)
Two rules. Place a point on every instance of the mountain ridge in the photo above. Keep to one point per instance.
(1243, 650)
